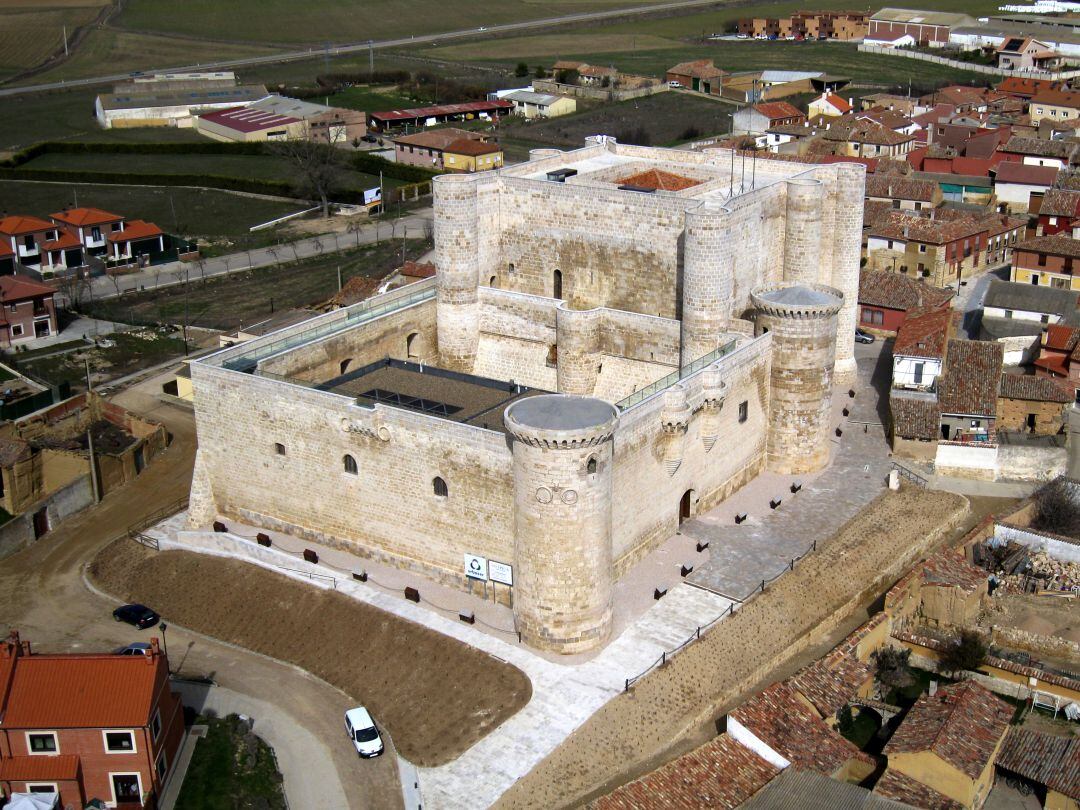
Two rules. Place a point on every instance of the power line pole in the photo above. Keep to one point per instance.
(95, 480)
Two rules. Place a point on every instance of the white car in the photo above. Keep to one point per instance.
(361, 730)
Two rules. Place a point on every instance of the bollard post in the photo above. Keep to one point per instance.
(792, 563)
(763, 586)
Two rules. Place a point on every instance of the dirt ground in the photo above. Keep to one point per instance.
(436, 695)
(642, 728)
(1042, 616)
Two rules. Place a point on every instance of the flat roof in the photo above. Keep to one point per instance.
(430, 390)
(561, 412)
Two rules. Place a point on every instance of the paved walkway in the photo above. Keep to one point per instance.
(176, 272)
(743, 555)
(307, 768)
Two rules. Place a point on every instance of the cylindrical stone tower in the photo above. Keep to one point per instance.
(542, 154)
(457, 257)
(708, 278)
(564, 578)
(802, 230)
(578, 345)
(1072, 441)
(802, 320)
(847, 255)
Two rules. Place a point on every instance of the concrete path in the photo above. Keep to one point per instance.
(173, 273)
(175, 779)
(306, 765)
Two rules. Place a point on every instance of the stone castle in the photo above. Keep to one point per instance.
(617, 337)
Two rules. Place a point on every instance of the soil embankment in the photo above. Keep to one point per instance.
(435, 695)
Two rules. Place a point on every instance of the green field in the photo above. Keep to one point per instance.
(370, 99)
(29, 35)
(227, 302)
(199, 213)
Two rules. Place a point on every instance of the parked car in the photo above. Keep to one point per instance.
(361, 730)
(138, 648)
(138, 615)
(863, 337)
(674, 85)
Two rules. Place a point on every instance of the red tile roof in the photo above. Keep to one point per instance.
(1057, 244)
(902, 788)
(722, 773)
(19, 225)
(914, 417)
(82, 217)
(471, 146)
(20, 288)
(899, 187)
(791, 728)
(830, 682)
(1033, 389)
(969, 385)
(659, 180)
(64, 240)
(924, 333)
(778, 110)
(1043, 758)
(1014, 85)
(5, 249)
(941, 229)
(962, 724)
(1060, 202)
(699, 68)
(136, 229)
(1012, 171)
(1057, 98)
(62, 768)
(897, 291)
(951, 569)
(838, 103)
(1061, 338)
(83, 691)
(443, 109)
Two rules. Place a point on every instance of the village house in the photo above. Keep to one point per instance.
(41, 245)
(138, 240)
(86, 725)
(700, 75)
(1049, 762)
(1032, 404)
(27, 311)
(828, 104)
(1038, 304)
(943, 591)
(901, 105)
(1025, 53)
(1025, 89)
(1059, 211)
(968, 390)
(943, 753)
(919, 350)
(1041, 151)
(540, 105)
(1019, 187)
(885, 299)
(1048, 261)
(766, 117)
(451, 149)
(838, 25)
(867, 139)
(91, 225)
(1059, 356)
(1054, 105)
(903, 192)
(895, 121)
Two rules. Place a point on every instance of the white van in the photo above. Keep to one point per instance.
(361, 730)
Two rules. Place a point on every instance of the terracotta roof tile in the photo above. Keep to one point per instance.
(1060, 202)
(659, 180)
(898, 291)
(951, 568)
(1012, 171)
(1043, 758)
(61, 768)
(722, 773)
(1041, 147)
(915, 417)
(471, 146)
(437, 138)
(20, 288)
(1033, 389)
(902, 788)
(830, 682)
(893, 186)
(791, 728)
(1054, 245)
(1061, 338)
(924, 333)
(962, 724)
(64, 240)
(969, 384)
(12, 451)
(1057, 98)
(19, 225)
(82, 217)
(775, 110)
(136, 229)
(943, 228)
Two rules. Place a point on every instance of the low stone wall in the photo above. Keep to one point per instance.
(18, 533)
(596, 93)
(967, 460)
(969, 66)
(1017, 639)
(1022, 463)
(1059, 549)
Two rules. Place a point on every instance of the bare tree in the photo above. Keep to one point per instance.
(319, 168)
(355, 227)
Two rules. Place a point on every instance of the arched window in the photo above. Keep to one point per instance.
(491, 281)
(350, 464)
(439, 486)
(556, 284)
(511, 268)
(345, 364)
(591, 466)
(411, 344)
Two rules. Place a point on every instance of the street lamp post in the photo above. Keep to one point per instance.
(165, 644)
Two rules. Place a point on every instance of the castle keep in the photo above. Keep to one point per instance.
(617, 338)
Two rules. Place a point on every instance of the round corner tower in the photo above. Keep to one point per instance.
(564, 577)
(802, 321)
(457, 257)
(708, 275)
(577, 339)
(802, 230)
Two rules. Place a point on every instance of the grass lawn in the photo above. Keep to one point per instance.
(129, 352)
(665, 118)
(29, 35)
(371, 99)
(231, 768)
(199, 213)
(253, 295)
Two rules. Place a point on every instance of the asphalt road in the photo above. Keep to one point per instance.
(360, 47)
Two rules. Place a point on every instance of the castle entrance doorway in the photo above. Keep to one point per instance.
(686, 506)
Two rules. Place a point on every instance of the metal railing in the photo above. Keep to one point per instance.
(910, 475)
(640, 396)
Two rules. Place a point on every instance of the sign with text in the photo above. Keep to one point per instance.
(501, 572)
(476, 567)
(372, 196)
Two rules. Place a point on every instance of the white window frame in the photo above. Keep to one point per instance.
(155, 719)
(31, 785)
(105, 732)
(163, 761)
(56, 744)
(112, 786)
(18, 326)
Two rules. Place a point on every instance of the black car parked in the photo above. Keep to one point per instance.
(138, 615)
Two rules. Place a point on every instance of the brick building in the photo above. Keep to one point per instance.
(88, 726)
(446, 149)
(885, 299)
(701, 75)
(27, 310)
(838, 25)
(1032, 404)
(1060, 209)
(925, 27)
(1047, 261)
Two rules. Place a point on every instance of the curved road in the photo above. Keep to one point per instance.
(359, 47)
(42, 594)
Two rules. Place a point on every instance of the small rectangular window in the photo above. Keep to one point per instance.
(744, 410)
(42, 743)
(161, 765)
(279, 448)
(119, 742)
(155, 725)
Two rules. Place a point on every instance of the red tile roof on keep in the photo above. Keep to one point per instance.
(791, 728)
(62, 768)
(83, 691)
(722, 773)
(1012, 171)
(962, 724)
(19, 225)
(924, 333)
(659, 180)
(82, 217)
(21, 288)
(136, 229)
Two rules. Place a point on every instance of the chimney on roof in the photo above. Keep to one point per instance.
(906, 231)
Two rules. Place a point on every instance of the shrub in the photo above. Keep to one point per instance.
(1056, 510)
(846, 722)
(965, 653)
(891, 668)
(521, 70)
